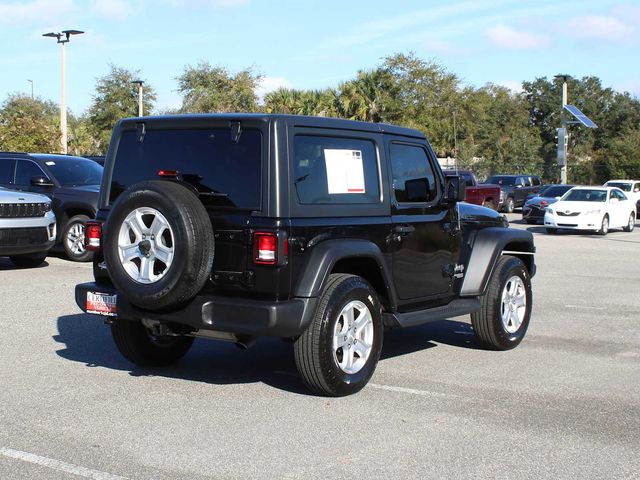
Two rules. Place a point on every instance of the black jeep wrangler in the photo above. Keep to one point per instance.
(316, 230)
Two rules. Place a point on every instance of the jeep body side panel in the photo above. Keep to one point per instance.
(487, 246)
(327, 254)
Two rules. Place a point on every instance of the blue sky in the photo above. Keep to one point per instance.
(315, 44)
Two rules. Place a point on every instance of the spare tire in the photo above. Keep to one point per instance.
(158, 244)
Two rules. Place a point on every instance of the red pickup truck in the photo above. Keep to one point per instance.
(479, 194)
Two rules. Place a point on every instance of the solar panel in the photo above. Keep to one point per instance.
(579, 116)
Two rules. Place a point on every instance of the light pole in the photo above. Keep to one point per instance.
(140, 97)
(62, 38)
(563, 134)
(31, 82)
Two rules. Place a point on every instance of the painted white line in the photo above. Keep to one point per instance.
(413, 391)
(585, 307)
(389, 388)
(58, 465)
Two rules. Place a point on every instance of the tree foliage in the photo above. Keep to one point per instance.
(29, 125)
(208, 89)
(116, 97)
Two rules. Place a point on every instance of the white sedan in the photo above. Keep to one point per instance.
(591, 208)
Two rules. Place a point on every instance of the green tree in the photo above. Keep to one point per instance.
(207, 89)
(29, 125)
(116, 97)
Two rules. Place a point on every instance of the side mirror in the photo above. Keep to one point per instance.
(41, 181)
(417, 190)
(613, 200)
(455, 190)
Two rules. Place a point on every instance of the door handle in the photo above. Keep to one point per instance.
(404, 229)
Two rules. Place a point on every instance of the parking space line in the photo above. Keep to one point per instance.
(58, 465)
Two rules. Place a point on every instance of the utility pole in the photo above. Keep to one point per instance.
(62, 38)
(31, 82)
(140, 97)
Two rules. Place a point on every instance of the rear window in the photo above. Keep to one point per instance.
(498, 180)
(622, 186)
(330, 170)
(225, 173)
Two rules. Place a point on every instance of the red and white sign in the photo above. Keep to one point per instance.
(101, 304)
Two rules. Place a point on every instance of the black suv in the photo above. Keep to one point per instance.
(317, 230)
(515, 189)
(72, 183)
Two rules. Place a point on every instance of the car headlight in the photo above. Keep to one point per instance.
(47, 207)
(593, 212)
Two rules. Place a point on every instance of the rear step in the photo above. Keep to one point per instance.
(462, 306)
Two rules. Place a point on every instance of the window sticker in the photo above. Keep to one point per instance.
(50, 163)
(345, 171)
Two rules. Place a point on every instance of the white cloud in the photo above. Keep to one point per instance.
(206, 3)
(118, 9)
(269, 84)
(514, 85)
(598, 27)
(36, 10)
(507, 37)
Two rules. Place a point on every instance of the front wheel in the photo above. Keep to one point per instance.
(509, 206)
(136, 343)
(505, 308)
(604, 227)
(631, 224)
(73, 239)
(339, 351)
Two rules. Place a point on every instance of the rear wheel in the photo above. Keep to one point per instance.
(28, 261)
(339, 351)
(631, 224)
(604, 226)
(136, 343)
(505, 308)
(73, 239)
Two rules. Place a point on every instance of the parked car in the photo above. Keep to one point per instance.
(477, 193)
(536, 204)
(597, 209)
(72, 183)
(27, 227)
(631, 189)
(514, 189)
(325, 231)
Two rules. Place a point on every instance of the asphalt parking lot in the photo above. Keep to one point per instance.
(564, 404)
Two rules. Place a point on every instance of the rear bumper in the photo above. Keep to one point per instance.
(224, 314)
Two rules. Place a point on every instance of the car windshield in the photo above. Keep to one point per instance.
(72, 172)
(582, 195)
(622, 186)
(555, 191)
(500, 180)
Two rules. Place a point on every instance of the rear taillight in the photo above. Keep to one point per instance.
(92, 235)
(270, 248)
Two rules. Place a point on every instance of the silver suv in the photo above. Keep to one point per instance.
(27, 227)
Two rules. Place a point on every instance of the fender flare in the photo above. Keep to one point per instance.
(324, 257)
(488, 246)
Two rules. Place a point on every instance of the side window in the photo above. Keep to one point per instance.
(535, 181)
(413, 177)
(636, 187)
(526, 181)
(330, 170)
(25, 171)
(6, 171)
(617, 194)
(468, 179)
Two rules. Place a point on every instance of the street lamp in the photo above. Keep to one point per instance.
(62, 38)
(31, 82)
(140, 97)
